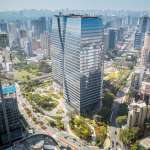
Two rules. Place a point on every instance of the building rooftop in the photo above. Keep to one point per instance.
(137, 105)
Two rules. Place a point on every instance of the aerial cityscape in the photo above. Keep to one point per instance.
(75, 75)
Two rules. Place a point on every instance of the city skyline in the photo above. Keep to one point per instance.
(138, 5)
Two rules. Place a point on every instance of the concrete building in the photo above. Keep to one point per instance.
(138, 112)
(4, 40)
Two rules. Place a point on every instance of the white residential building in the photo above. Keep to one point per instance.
(138, 112)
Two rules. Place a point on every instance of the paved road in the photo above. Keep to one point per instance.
(62, 137)
(113, 128)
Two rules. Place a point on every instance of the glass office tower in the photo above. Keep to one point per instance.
(57, 47)
(83, 63)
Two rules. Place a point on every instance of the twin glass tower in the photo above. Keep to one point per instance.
(77, 60)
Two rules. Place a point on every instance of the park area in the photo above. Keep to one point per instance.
(41, 94)
(86, 128)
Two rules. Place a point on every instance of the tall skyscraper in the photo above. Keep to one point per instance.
(42, 23)
(38, 27)
(45, 43)
(112, 38)
(145, 53)
(138, 40)
(4, 40)
(83, 63)
(28, 48)
(3, 26)
(144, 24)
(57, 47)
(77, 60)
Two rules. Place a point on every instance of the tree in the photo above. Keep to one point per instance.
(108, 99)
(101, 133)
(105, 113)
(134, 146)
(123, 109)
(129, 135)
(121, 120)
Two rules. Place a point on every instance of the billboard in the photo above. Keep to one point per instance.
(9, 89)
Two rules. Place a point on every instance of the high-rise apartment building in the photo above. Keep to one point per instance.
(138, 112)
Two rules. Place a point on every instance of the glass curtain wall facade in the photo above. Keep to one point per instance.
(83, 63)
(57, 48)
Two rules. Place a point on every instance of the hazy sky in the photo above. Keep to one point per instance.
(75, 4)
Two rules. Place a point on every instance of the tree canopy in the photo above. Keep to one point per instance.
(121, 120)
(129, 135)
(108, 99)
